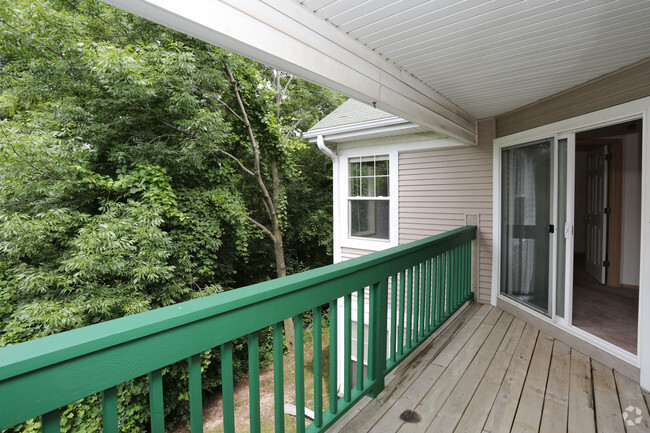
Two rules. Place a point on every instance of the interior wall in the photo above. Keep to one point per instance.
(631, 215)
(580, 231)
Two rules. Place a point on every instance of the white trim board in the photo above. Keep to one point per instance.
(401, 143)
(612, 115)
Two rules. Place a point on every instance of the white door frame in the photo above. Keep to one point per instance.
(567, 231)
(638, 109)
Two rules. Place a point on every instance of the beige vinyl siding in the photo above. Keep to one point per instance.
(352, 253)
(624, 85)
(443, 189)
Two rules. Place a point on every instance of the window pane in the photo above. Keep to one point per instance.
(368, 166)
(355, 166)
(381, 167)
(369, 218)
(355, 187)
(382, 187)
(367, 187)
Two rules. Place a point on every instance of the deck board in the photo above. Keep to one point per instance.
(632, 404)
(505, 406)
(556, 400)
(581, 401)
(531, 402)
(478, 409)
(608, 410)
(488, 372)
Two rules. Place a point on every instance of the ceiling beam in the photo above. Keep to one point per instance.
(285, 35)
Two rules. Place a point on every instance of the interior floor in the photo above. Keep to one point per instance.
(610, 313)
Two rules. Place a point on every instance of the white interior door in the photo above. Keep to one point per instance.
(596, 218)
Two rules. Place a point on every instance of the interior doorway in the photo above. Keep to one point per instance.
(607, 233)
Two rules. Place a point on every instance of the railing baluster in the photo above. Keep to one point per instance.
(402, 306)
(423, 296)
(416, 304)
(254, 381)
(109, 410)
(347, 347)
(51, 422)
(426, 288)
(393, 318)
(434, 292)
(409, 306)
(453, 279)
(227, 388)
(318, 366)
(278, 376)
(377, 336)
(361, 301)
(196, 393)
(156, 401)
(300, 372)
(441, 288)
(447, 286)
(461, 263)
(468, 269)
(459, 276)
(333, 356)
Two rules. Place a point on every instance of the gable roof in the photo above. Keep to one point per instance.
(354, 120)
(351, 112)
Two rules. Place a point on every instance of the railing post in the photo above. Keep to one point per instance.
(378, 335)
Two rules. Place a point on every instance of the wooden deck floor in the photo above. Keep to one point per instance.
(490, 372)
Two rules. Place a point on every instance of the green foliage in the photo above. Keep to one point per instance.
(115, 195)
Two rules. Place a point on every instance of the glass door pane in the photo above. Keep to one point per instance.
(525, 220)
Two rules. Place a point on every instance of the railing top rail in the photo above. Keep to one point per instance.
(32, 355)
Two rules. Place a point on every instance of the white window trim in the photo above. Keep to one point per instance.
(347, 241)
(631, 110)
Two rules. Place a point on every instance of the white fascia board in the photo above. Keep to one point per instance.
(401, 143)
(286, 35)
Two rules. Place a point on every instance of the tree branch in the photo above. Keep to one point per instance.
(241, 119)
(286, 86)
(22, 33)
(234, 158)
(261, 227)
(256, 149)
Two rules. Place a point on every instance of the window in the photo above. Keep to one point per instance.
(369, 197)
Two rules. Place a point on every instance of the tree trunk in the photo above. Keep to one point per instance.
(278, 246)
(281, 270)
(270, 203)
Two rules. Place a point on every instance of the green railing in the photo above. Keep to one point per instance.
(412, 290)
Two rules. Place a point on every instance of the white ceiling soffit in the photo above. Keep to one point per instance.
(286, 35)
(491, 57)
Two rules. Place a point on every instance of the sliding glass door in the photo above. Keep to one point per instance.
(526, 182)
